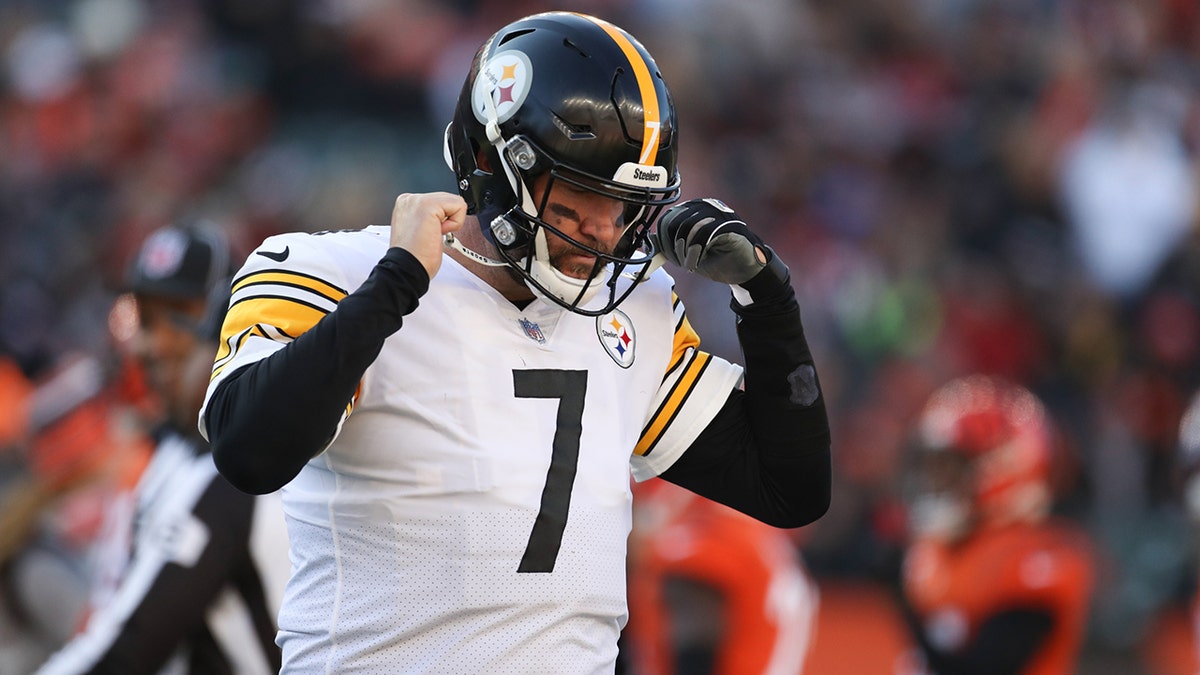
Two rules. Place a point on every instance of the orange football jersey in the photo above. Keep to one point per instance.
(955, 588)
(768, 600)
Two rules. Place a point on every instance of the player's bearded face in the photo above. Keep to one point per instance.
(586, 217)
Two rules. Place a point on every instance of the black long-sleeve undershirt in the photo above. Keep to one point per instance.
(767, 452)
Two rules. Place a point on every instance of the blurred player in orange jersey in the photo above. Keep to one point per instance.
(713, 590)
(991, 583)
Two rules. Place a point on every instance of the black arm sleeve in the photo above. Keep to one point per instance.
(767, 453)
(268, 419)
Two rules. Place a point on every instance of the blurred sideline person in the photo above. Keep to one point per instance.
(713, 590)
(991, 583)
(201, 590)
(454, 419)
(74, 455)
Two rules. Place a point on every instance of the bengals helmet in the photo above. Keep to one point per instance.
(581, 101)
(984, 457)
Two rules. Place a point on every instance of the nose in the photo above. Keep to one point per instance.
(602, 218)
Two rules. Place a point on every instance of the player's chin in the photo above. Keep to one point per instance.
(580, 267)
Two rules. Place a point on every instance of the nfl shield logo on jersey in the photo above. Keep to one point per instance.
(533, 331)
(616, 333)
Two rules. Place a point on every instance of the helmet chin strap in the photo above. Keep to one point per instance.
(452, 242)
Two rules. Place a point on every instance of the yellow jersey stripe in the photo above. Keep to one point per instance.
(293, 279)
(645, 80)
(223, 351)
(289, 315)
(674, 401)
(686, 338)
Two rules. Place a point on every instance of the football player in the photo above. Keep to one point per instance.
(991, 583)
(453, 404)
(713, 590)
(205, 572)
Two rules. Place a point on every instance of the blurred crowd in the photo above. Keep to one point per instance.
(999, 186)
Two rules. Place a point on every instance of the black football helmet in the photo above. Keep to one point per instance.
(579, 99)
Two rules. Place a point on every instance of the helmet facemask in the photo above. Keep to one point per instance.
(522, 233)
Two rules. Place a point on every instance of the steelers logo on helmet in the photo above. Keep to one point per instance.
(505, 80)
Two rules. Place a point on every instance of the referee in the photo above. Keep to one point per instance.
(204, 579)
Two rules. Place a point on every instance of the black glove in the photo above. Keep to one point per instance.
(708, 237)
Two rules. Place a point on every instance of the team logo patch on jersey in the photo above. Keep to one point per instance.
(618, 337)
(505, 78)
(533, 331)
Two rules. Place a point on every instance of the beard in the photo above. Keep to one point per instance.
(574, 261)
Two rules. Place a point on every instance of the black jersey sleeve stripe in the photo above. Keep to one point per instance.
(223, 358)
(290, 277)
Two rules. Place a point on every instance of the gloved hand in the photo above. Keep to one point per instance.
(708, 237)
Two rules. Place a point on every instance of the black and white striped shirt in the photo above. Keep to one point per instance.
(203, 586)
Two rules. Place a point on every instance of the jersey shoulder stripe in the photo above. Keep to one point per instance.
(290, 296)
(679, 383)
(275, 301)
(694, 388)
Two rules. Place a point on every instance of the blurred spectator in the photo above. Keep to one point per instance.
(1188, 467)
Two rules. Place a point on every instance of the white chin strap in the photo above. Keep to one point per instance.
(566, 288)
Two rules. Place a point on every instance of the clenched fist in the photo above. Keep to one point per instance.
(419, 221)
(707, 237)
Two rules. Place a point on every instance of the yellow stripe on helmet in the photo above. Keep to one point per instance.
(651, 121)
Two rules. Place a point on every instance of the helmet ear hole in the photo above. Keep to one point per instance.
(482, 163)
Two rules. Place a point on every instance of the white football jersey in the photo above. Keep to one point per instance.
(471, 514)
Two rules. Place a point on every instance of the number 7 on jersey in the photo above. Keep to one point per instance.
(569, 387)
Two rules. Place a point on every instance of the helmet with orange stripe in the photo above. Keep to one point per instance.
(579, 100)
